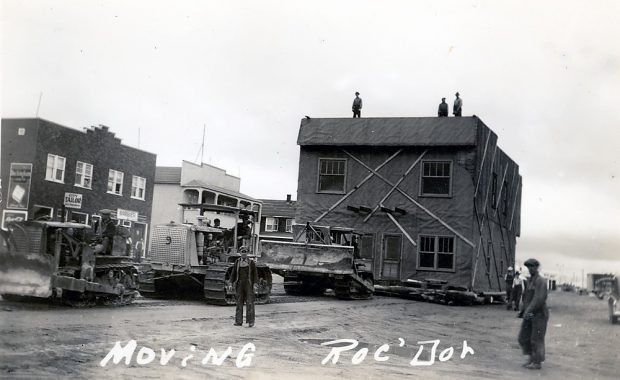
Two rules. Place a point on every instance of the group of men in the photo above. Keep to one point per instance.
(534, 311)
(457, 108)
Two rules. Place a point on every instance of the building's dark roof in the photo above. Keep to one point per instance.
(196, 183)
(278, 208)
(389, 131)
(168, 174)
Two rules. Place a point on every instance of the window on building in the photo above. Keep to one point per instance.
(78, 217)
(505, 199)
(332, 174)
(289, 225)
(138, 186)
(271, 224)
(392, 245)
(494, 191)
(436, 178)
(83, 175)
(55, 168)
(436, 253)
(366, 248)
(115, 182)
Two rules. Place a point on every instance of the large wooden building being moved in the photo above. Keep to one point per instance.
(433, 198)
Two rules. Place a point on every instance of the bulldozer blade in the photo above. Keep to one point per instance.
(26, 274)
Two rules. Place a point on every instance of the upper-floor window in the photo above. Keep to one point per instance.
(115, 182)
(289, 225)
(83, 175)
(436, 178)
(332, 175)
(138, 186)
(55, 168)
(436, 252)
(271, 224)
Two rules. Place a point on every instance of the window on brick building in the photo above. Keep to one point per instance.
(138, 187)
(115, 182)
(83, 175)
(55, 171)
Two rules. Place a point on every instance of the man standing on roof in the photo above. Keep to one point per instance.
(443, 108)
(243, 277)
(535, 317)
(458, 106)
(357, 106)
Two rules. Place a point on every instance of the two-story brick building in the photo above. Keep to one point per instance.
(67, 174)
(434, 198)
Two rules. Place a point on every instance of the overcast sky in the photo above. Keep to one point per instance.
(543, 75)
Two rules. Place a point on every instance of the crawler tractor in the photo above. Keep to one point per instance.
(317, 259)
(190, 260)
(56, 260)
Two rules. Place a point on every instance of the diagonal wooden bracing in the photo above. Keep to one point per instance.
(347, 195)
(400, 180)
(480, 222)
(416, 203)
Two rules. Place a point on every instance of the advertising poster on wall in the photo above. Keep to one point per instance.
(19, 185)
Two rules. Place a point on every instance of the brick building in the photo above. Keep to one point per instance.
(66, 174)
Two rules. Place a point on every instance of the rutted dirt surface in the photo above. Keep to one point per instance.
(37, 340)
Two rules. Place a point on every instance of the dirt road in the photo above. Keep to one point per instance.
(38, 341)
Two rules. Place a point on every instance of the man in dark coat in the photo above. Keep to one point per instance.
(457, 109)
(442, 111)
(357, 106)
(243, 278)
(108, 231)
(535, 317)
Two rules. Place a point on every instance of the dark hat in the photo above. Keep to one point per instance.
(457, 94)
(105, 211)
(357, 93)
(443, 98)
(532, 263)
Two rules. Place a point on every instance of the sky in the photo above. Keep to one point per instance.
(542, 75)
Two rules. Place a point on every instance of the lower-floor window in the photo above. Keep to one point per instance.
(78, 217)
(366, 248)
(436, 252)
(271, 224)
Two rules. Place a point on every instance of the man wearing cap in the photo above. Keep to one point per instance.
(458, 106)
(442, 111)
(243, 278)
(508, 278)
(357, 106)
(108, 231)
(535, 317)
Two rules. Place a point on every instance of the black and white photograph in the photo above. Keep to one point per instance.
(309, 189)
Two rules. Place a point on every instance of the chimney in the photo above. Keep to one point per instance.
(288, 198)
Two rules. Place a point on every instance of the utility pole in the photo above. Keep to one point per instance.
(39, 104)
(202, 150)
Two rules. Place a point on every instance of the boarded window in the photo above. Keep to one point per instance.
(505, 198)
(332, 174)
(436, 252)
(436, 178)
(392, 245)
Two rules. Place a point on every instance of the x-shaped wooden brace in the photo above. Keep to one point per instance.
(416, 203)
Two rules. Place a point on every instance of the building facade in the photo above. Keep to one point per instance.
(277, 219)
(197, 184)
(50, 170)
(434, 198)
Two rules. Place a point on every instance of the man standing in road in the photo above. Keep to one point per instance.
(458, 106)
(535, 317)
(357, 106)
(243, 278)
(508, 279)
